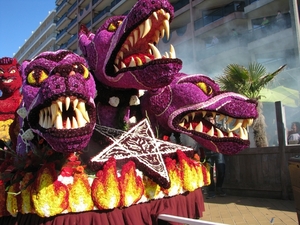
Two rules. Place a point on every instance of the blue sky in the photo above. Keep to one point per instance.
(18, 18)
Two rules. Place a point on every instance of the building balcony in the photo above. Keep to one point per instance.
(101, 16)
(62, 22)
(62, 8)
(62, 37)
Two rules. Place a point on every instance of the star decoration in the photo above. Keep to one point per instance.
(140, 145)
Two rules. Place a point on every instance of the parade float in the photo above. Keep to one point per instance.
(92, 149)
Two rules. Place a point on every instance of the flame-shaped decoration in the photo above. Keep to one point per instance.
(80, 192)
(152, 189)
(12, 199)
(26, 202)
(189, 172)
(106, 192)
(175, 177)
(49, 196)
(131, 185)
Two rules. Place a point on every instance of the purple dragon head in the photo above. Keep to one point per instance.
(182, 107)
(122, 53)
(59, 94)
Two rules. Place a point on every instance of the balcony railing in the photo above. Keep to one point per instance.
(180, 4)
(101, 13)
(61, 19)
(61, 33)
(114, 2)
(72, 23)
(61, 5)
(72, 7)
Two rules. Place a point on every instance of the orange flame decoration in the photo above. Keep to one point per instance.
(191, 172)
(105, 188)
(132, 187)
(74, 191)
(80, 198)
(50, 196)
(175, 177)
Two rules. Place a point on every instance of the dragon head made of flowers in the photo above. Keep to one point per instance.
(122, 52)
(182, 106)
(58, 101)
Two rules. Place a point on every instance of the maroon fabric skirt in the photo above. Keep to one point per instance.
(189, 205)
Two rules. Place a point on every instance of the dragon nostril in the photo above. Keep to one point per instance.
(57, 86)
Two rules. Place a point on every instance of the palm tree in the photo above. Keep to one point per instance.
(249, 82)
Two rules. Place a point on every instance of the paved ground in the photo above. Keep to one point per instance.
(243, 210)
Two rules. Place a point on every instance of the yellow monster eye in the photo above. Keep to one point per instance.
(80, 68)
(36, 77)
(205, 88)
(114, 25)
(12, 71)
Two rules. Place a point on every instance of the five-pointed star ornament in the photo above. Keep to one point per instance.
(140, 145)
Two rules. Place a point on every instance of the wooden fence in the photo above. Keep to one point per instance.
(262, 172)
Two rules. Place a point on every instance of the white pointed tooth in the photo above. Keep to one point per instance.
(75, 103)
(141, 29)
(132, 63)
(181, 124)
(167, 55)
(186, 118)
(67, 102)
(167, 15)
(155, 15)
(123, 65)
(80, 120)
(246, 133)
(172, 52)
(74, 123)
(58, 121)
(49, 122)
(162, 32)
(230, 134)
(139, 61)
(229, 120)
(167, 28)
(135, 35)
(117, 60)
(155, 51)
(221, 117)
(147, 27)
(219, 132)
(120, 55)
(116, 69)
(59, 104)
(211, 132)
(81, 107)
(250, 122)
(114, 101)
(190, 127)
(41, 118)
(204, 113)
(193, 115)
(53, 109)
(213, 114)
(199, 127)
(133, 120)
(242, 135)
(130, 39)
(237, 125)
(126, 47)
(68, 123)
(147, 59)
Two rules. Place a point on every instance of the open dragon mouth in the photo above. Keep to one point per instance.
(230, 127)
(139, 47)
(64, 113)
